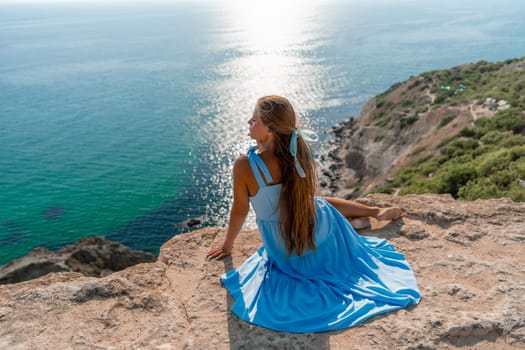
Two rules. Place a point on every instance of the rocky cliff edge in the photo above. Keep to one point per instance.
(468, 258)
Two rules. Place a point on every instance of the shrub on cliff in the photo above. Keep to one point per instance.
(510, 119)
(484, 161)
(478, 81)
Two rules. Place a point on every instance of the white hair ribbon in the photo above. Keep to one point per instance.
(307, 135)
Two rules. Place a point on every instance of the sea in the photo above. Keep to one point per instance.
(124, 119)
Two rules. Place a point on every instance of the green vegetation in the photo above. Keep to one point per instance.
(414, 84)
(485, 161)
(379, 138)
(383, 122)
(418, 150)
(422, 109)
(97, 265)
(407, 103)
(423, 88)
(382, 102)
(478, 81)
(446, 120)
(423, 159)
(378, 115)
(406, 121)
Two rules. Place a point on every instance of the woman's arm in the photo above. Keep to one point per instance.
(239, 210)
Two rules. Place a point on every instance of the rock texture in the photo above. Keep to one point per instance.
(468, 258)
(92, 256)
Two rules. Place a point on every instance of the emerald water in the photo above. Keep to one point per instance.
(123, 120)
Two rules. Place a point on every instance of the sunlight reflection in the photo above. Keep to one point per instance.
(268, 25)
(273, 44)
(269, 49)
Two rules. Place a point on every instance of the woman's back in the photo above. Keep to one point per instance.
(265, 190)
(271, 166)
(266, 206)
(344, 280)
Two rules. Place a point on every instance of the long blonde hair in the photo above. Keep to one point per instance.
(297, 200)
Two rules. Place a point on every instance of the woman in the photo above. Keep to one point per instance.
(313, 273)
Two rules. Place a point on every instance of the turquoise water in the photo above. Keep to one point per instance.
(123, 120)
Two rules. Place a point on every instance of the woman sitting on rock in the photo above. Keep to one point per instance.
(314, 272)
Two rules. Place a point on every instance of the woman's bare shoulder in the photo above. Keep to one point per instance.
(242, 160)
(241, 166)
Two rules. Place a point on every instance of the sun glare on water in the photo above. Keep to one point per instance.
(269, 25)
(269, 48)
(269, 44)
(274, 38)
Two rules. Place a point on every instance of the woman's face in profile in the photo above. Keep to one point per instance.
(258, 130)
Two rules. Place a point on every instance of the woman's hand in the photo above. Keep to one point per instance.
(218, 253)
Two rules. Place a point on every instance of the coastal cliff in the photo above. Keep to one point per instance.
(459, 130)
(467, 256)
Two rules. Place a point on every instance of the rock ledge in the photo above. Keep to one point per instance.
(467, 256)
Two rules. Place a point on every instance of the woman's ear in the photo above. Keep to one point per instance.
(271, 136)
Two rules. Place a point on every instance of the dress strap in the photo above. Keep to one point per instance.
(258, 167)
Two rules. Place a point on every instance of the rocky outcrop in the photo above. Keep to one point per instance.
(92, 256)
(467, 256)
(364, 155)
(409, 123)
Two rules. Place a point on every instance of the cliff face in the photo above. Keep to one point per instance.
(414, 120)
(366, 153)
(467, 256)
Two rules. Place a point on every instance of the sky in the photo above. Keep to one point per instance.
(83, 1)
(116, 1)
(229, 2)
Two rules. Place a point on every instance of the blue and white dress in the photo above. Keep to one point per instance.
(346, 280)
